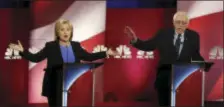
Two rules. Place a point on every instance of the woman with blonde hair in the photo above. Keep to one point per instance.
(62, 50)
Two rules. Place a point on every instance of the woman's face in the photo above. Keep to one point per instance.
(64, 32)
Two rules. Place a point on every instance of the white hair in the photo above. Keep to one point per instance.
(181, 13)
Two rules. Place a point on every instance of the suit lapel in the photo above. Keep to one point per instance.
(58, 51)
(172, 33)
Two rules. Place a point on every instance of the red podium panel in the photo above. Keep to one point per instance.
(189, 93)
(187, 83)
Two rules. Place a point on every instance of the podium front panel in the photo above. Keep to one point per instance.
(182, 73)
(71, 73)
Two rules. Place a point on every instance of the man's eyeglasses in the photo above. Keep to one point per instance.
(180, 22)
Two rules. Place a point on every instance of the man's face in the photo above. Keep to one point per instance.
(180, 23)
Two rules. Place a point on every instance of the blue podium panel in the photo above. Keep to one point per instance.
(179, 73)
(72, 73)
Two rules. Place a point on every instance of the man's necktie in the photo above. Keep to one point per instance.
(177, 44)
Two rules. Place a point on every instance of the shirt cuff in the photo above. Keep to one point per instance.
(133, 41)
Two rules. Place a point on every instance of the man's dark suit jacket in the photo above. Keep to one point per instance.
(52, 53)
(163, 41)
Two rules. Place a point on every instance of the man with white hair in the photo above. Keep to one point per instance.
(178, 44)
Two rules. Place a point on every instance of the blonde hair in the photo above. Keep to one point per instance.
(57, 27)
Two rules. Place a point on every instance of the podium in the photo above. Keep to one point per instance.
(180, 73)
(71, 72)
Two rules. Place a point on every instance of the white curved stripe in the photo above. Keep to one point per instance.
(31, 65)
(200, 8)
(37, 45)
(87, 17)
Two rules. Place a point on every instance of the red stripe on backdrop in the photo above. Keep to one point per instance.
(15, 72)
(210, 28)
(90, 43)
(217, 91)
(5, 29)
(19, 69)
(131, 78)
(46, 12)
